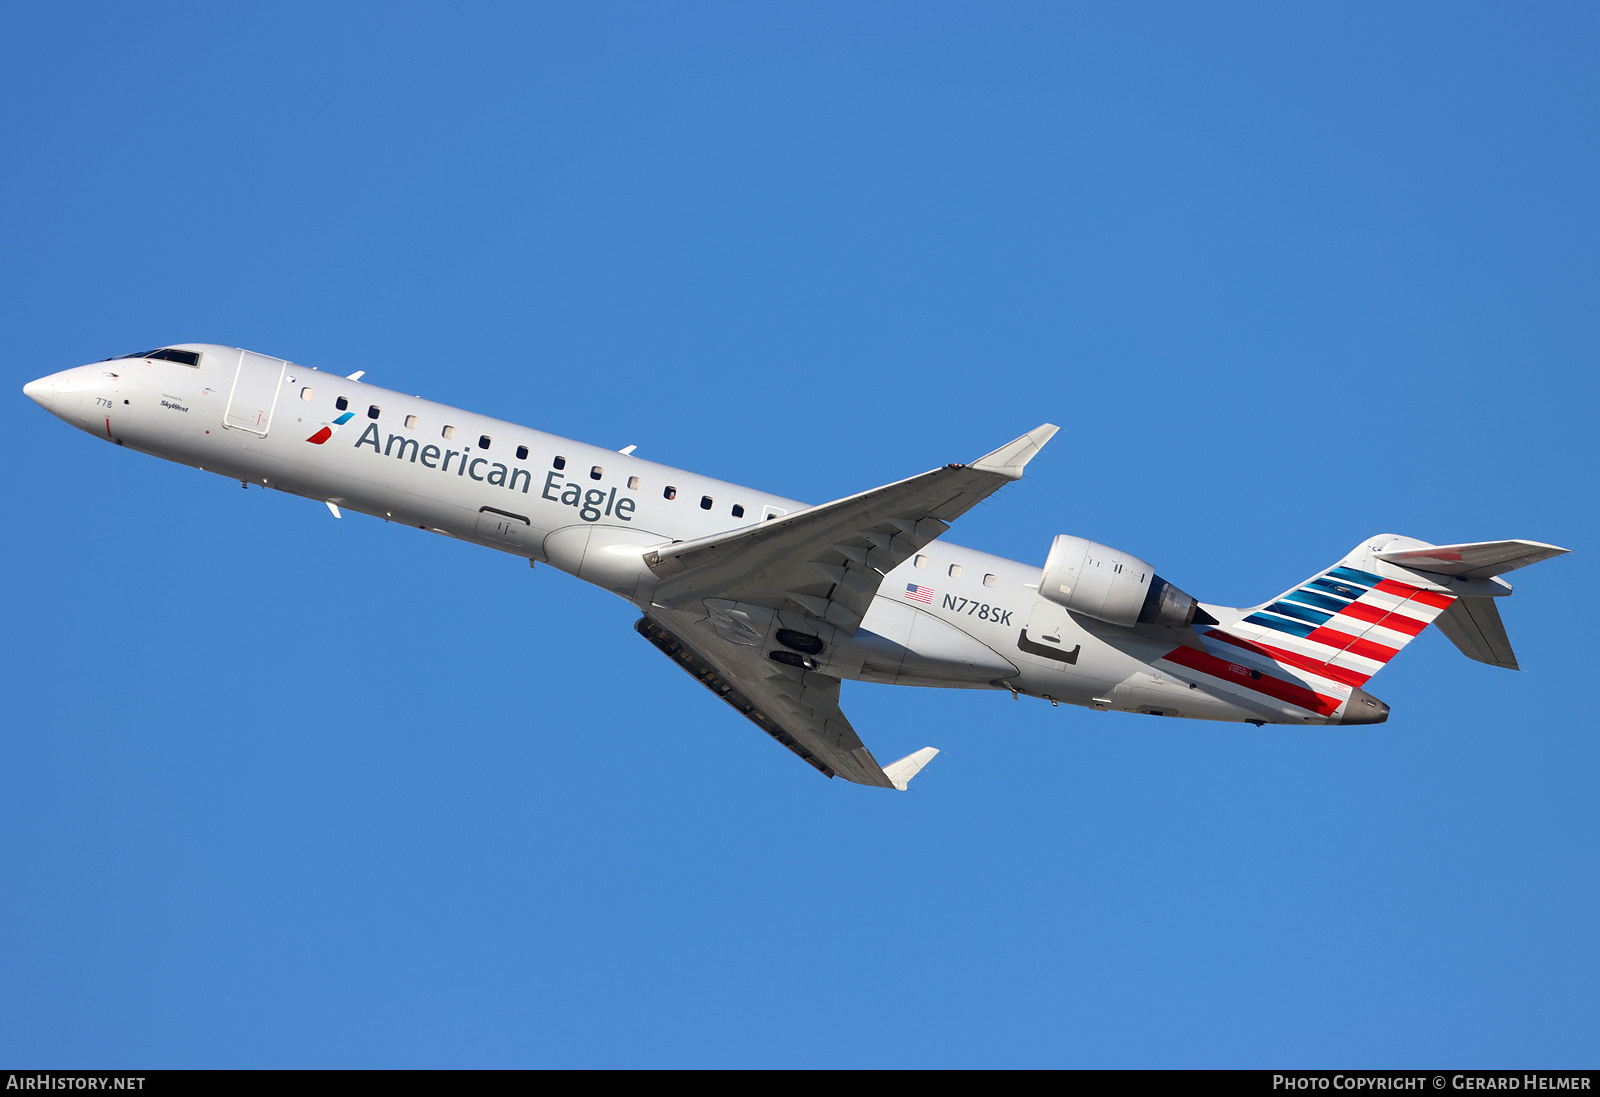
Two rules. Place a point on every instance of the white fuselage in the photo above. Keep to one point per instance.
(593, 512)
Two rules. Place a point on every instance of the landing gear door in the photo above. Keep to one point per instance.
(254, 396)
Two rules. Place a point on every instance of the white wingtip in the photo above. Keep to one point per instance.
(908, 767)
(333, 508)
(1010, 458)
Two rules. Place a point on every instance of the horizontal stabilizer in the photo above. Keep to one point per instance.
(1478, 560)
(1474, 626)
(908, 767)
(1010, 458)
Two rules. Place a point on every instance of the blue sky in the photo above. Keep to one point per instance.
(285, 791)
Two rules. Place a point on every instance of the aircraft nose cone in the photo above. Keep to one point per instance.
(1364, 708)
(40, 392)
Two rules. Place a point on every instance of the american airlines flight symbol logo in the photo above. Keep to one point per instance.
(328, 428)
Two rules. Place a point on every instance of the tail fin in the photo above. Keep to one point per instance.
(1345, 623)
(1472, 623)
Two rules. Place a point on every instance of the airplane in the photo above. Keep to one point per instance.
(771, 603)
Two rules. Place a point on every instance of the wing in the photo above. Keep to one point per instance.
(826, 562)
(797, 707)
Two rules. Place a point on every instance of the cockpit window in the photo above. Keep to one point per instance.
(163, 354)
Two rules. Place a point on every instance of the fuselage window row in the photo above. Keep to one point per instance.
(558, 462)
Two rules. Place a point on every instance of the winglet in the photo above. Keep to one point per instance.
(1009, 459)
(908, 767)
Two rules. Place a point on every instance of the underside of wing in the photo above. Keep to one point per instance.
(797, 707)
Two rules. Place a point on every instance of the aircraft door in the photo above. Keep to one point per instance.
(254, 396)
(1046, 635)
(503, 527)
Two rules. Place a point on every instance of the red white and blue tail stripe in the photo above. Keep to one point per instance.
(1344, 624)
(1314, 645)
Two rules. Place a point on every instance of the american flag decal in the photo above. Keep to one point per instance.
(919, 594)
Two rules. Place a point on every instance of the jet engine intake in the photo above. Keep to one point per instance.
(1112, 586)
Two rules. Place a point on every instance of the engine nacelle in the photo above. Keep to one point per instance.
(1112, 586)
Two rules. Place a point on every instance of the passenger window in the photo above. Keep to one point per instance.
(306, 394)
(559, 463)
(596, 472)
(921, 561)
(705, 502)
(955, 571)
(669, 493)
(411, 422)
(633, 483)
(341, 403)
(988, 580)
(483, 441)
(522, 453)
(738, 511)
(372, 411)
(448, 432)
